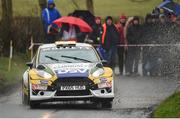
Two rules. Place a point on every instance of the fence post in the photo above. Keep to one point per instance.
(10, 55)
(32, 47)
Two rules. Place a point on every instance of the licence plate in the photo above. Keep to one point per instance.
(69, 88)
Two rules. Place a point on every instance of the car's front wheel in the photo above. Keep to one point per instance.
(103, 104)
(107, 104)
(33, 104)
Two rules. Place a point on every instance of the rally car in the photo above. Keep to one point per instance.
(67, 71)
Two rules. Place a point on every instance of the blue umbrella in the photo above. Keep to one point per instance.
(170, 6)
(164, 3)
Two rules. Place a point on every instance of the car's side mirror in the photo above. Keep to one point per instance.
(104, 62)
(29, 64)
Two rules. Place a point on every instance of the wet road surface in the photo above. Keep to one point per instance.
(135, 96)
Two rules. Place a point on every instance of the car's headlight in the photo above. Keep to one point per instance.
(39, 87)
(105, 85)
(98, 72)
(44, 74)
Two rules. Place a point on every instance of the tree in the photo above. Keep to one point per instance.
(7, 15)
(90, 5)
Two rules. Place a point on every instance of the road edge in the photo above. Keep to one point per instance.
(9, 89)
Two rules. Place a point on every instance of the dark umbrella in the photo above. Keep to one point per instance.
(83, 26)
(85, 15)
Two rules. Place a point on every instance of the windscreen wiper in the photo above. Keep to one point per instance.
(57, 60)
(76, 58)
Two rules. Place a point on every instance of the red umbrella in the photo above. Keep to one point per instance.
(84, 27)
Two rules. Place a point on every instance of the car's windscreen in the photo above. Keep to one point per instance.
(67, 55)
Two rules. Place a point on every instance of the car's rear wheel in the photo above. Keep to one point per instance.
(24, 96)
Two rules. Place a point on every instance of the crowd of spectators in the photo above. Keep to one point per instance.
(151, 41)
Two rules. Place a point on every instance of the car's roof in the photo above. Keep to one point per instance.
(54, 45)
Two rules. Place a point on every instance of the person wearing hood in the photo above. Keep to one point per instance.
(110, 38)
(50, 14)
(147, 37)
(97, 31)
(134, 35)
(122, 41)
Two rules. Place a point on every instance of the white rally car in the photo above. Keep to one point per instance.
(67, 71)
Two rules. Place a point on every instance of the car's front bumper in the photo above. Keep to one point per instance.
(51, 95)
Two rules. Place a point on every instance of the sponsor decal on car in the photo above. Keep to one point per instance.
(70, 66)
(73, 73)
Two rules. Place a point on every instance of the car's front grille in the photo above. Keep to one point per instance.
(73, 81)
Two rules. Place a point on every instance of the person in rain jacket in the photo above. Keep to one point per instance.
(122, 41)
(148, 37)
(134, 34)
(110, 38)
(69, 32)
(50, 14)
(97, 31)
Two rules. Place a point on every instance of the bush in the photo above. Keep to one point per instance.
(22, 30)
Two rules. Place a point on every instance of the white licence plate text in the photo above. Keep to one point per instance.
(66, 88)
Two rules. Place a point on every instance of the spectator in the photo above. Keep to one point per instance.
(162, 19)
(164, 27)
(96, 35)
(69, 32)
(175, 31)
(177, 20)
(134, 35)
(146, 39)
(50, 14)
(155, 29)
(155, 61)
(156, 11)
(122, 41)
(155, 19)
(109, 41)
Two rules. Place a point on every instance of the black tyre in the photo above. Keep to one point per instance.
(24, 96)
(34, 105)
(103, 104)
(107, 104)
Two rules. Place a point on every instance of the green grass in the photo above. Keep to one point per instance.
(11, 77)
(170, 108)
(117, 7)
(102, 7)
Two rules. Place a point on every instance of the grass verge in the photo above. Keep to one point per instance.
(9, 78)
(170, 108)
(101, 7)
